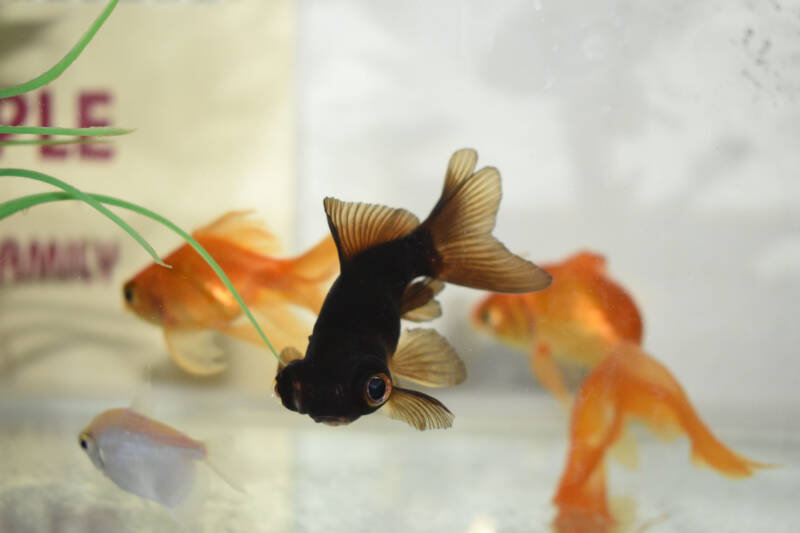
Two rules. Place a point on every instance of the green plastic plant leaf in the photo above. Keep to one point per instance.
(56, 70)
(12, 206)
(75, 193)
(48, 142)
(81, 132)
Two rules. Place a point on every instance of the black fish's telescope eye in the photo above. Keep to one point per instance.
(377, 390)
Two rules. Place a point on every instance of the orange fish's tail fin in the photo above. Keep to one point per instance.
(317, 264)
(461, 225)
(301, 280)
(643, 388)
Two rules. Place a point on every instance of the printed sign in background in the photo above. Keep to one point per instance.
(207, 89)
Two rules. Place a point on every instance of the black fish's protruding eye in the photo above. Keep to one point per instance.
(377, 390)
(127, 291)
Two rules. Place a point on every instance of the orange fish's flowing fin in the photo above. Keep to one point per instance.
(239, 228)
(418, 303)
(356, 226)
(584, 507)
(417, 409)
(548, 374)
(425, 357)
(630, 383)
(625, 450)
(319, 263)
(195, 351)
(461, 224)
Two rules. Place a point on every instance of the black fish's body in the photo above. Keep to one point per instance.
(390, 264)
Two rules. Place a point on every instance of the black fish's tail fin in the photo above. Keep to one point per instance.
(461, 224)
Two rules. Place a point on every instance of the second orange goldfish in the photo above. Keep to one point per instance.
(191, 303)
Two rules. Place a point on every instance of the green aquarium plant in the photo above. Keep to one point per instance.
(97, 201)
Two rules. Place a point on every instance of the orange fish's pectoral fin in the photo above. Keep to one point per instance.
(239, 228)
(461, 225)
(418, 303)
(356, 226)
(417, 409)
(195, 351)
(425, 357)
(549, 375)
(643, 388)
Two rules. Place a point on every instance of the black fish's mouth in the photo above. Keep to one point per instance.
(332, 420)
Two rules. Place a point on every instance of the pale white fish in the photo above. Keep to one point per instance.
(149, 458)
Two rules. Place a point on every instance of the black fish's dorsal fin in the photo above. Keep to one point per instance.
(356, 226)
(418, 304)
(425, 357)
(417, 409)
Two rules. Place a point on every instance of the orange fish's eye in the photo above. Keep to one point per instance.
(486, 316)
(377, 389)
(127, 291)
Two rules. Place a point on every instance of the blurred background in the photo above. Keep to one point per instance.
(662, 135)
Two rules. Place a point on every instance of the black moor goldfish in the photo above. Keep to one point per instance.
(391, 267)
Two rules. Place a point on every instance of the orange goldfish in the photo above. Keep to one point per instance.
(191, 303)
(576, 320)
(588, 319)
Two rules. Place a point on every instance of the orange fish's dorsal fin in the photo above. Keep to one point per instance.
(417, 409)
(587, 260)
(418, 304)
(425, 357)
(356, 226)
(241, 229)
(461, 225)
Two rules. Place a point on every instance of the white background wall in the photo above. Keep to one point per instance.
(665, 135)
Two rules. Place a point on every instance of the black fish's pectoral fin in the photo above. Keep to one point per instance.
(356, 226)
(461, 224)
(289, 354)
(417, 409)
(418, 302)
(425, 357)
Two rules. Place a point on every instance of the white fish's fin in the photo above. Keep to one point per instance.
(417, 409)
(418, 302)
(625, 451)
(239, 228)
(188, 513)
(356, 227)
(425, 357)
(222, 457)
(195, 351)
